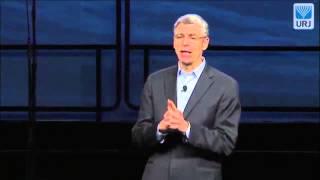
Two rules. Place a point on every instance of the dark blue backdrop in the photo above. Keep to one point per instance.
(67, 78)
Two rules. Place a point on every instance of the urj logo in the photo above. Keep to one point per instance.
(303, 16)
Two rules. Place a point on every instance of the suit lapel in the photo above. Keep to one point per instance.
(204, 82)
(170, 85)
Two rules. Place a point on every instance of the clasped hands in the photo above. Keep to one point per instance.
(173, 120)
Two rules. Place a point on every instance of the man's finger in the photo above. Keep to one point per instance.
(166, 115)
(171, 105)
(169, 108)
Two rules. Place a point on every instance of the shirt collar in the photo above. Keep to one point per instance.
(196, 72)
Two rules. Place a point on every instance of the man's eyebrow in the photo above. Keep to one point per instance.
(191, 34)
(187, 34)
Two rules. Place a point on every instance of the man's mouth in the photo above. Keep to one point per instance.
(185, 52)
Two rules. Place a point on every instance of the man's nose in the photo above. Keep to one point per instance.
(185, 41)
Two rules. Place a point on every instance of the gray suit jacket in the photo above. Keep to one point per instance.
(213, 111)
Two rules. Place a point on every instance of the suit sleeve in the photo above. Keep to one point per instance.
(144, 130)
(220, 138)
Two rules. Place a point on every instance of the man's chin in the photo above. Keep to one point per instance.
(186, 63)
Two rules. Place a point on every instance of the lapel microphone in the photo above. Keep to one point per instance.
(184, 88)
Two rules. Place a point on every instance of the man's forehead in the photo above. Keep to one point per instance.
(188, 29)
(187, 33)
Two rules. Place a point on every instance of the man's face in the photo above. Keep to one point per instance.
(189, 42)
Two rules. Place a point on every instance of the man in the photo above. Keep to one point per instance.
(189, 113)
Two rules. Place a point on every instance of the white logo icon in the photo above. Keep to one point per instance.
(303, 16)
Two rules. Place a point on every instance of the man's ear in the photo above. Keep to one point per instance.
(205, 43)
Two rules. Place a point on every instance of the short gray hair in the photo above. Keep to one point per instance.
(193, 19)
